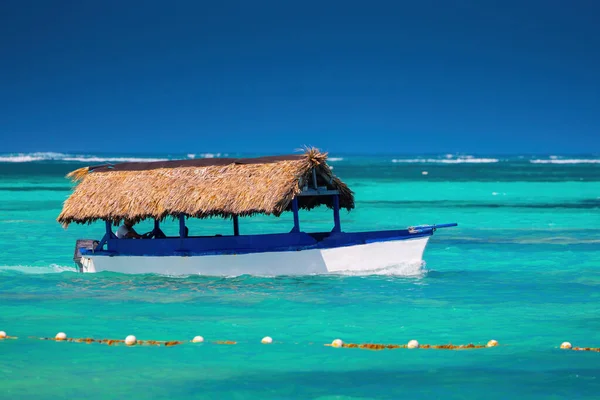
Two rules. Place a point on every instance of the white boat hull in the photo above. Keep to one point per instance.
(374, 257)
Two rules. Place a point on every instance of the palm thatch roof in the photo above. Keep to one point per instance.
(200, 188)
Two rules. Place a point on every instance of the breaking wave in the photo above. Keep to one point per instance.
(403, 269)
(448, 160)
(205, 155)
(63, 157)
(49, 156)
(30, 157)
(25, 269)
(566, 161)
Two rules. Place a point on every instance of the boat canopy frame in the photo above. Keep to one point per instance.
(315, 190)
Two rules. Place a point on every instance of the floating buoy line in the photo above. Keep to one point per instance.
(413, 344)
(131, 340)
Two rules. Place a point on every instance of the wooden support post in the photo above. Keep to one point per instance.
(108, 235)
(336, 214)
(156, 231)
(236, 226)
(181, 226)
(296, 216)
(314, 178)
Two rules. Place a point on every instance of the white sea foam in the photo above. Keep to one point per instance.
(30, 157)
(25, 269)
(205, 155)
(50, 156)
(210, 155)
(112, 159)
(555, 160)
(444, 159)
(19, 159)
(459, 160)
(403, 269)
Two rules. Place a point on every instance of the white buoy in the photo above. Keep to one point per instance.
(425, 173)
(60, 336)
(566, 345)
(130, 340)
(337, 343)
(2, 335)
(413, 344)
(267, 340)
(492, 343)
(197, 339)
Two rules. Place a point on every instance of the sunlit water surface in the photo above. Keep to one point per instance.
(523, 267)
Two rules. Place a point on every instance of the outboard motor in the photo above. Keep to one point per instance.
(88, 244)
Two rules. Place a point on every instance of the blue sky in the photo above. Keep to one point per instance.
(270, 76)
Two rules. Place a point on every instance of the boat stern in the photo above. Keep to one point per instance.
(81, 258)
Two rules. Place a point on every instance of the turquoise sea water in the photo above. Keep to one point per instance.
(523, 267)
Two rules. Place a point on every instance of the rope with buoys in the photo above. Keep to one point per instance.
(568, 346)
(337, 343)
(3, 335)
(129, 341)
(413, 344)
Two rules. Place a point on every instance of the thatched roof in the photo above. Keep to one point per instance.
(199, 188)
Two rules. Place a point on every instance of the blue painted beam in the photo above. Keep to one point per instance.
(181, 226)
(109, 231)
(450, 225)
(236, 226)
(296, 216)
(337, 227)
(244, 244)
(107, 235)
(102, 242)
(421, 228)
(318, 192)
(157, 232)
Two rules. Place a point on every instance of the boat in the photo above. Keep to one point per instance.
(230, 188)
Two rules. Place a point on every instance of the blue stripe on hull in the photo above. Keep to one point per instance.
(216, 245)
